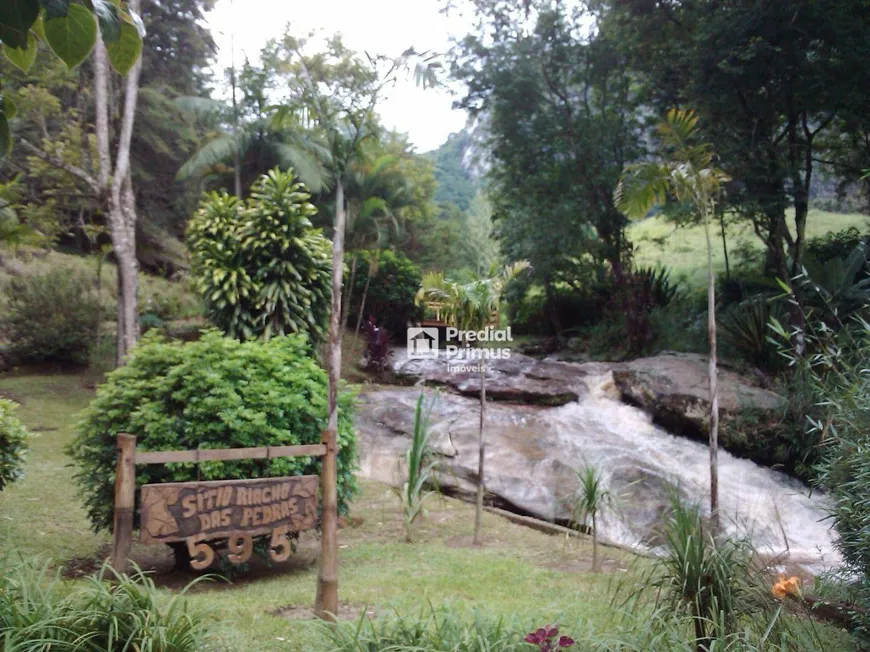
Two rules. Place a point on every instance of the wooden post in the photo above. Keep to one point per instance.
(125, 496)
(326, 601)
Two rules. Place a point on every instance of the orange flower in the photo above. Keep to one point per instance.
(784, 587)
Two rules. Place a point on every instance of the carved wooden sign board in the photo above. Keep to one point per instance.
(235, 510)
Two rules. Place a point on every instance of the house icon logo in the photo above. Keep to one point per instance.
(422, 343)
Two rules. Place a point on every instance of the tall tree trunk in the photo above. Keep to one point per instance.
(553, 310)
(362, 303)
(725, 246)
(119, 196)
(326, 600)
(714, 390)
(346, 299)
(481, 447)
(237, 163)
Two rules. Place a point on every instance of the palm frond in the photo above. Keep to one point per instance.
(219, 150)
(308, 168)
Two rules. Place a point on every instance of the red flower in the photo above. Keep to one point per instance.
(566, 641)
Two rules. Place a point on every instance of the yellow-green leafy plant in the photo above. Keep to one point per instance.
(261, 267)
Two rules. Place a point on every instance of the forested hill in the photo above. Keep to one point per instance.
(457, 183)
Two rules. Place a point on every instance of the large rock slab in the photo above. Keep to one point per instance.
(518, 379)
(674, 389)
(533, 451)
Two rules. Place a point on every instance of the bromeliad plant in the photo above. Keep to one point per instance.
(421, 466)
(260, 266)
(545, 639)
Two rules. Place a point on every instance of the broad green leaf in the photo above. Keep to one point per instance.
(5, 137)
(55, 8)
(22, 58)
(9, 108)
(109, 18)
(16, 17)
(124, 52)
(73, 36)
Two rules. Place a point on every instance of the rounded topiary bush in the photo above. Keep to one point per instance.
(214, 393)
(13, 444)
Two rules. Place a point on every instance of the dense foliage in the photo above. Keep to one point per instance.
(260, 266)
(109, 612)
(389, 281)
(50, 317)
(13, 444)
(214, 393)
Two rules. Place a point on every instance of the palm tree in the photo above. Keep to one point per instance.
(376, 191)
(252, 146)
(686, 174)
(470, 307)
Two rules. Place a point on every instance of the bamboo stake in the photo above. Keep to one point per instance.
(326, 601)
(125, 496)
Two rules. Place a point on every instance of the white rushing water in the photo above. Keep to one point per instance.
(639, 461)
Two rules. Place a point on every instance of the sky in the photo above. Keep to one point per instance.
(377, 26)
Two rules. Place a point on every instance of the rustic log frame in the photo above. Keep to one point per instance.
(125, 497)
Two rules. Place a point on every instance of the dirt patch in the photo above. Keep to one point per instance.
(9, 396)
(83, 566)
(345, 612)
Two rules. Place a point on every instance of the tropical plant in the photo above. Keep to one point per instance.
(421, 466)
(260, 266)
(688, 176)
(470, 307)
(709, 583)
(839, 284)
(110, 611)
(51, 316)
(590, 499)
(745, 327)
(249, 143)
(214, 393)
(13, 444)
(657, 285)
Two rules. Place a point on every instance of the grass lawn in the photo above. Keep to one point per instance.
(519, 572)
(684, 250)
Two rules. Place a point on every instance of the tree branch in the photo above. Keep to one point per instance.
(74, 170)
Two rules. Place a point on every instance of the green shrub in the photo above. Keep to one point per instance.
(109, 612)
(51, 317)
(390, 296)
(214, 393)
(13, 444)
(260, 266)
(744, 327)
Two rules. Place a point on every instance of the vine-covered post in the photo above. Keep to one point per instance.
(125, 497)
(326, 601)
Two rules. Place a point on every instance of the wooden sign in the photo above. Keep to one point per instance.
(236, 510)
